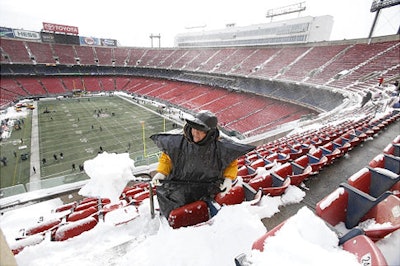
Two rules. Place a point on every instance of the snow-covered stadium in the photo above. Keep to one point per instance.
(324, 117)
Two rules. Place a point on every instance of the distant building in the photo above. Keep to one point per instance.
(299, 30)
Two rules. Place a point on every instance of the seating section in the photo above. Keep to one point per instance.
(104, 56)
(302, 155)
(277, 64)
(9, 85)
(202, 56)
(14, 51)
(215, 62)
(367, 205)
(65, 54)
(31, 85)
(41, 53)
(73, 83)
(10, 91)
(91, 84)
(53, 85)
(312, 62)
(315, 64)
(85, 55)
(339, 65)
(371, 194)
(121, 56)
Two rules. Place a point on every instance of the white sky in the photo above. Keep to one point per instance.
(132, 22)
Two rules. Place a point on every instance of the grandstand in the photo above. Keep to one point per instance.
(262, 93)
(258, 92)
(316, 77)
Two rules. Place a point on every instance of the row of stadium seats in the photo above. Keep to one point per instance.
(295, 158)
(370, 193)
(367, 204)
(312, 64)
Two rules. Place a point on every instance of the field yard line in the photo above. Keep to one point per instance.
(144, 107)
(34, 156)
(148, 109)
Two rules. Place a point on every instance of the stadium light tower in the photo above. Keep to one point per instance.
(376, 6)
(271, 13)
(155, 36)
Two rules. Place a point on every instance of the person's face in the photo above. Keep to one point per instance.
(198, 135)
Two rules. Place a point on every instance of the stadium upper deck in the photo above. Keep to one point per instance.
(316, 76)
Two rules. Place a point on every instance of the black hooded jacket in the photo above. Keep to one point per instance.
(198, 166)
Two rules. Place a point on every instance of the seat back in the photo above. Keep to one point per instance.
(189, 214)
(333, 207)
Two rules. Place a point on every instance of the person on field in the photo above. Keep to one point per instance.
(195, 165)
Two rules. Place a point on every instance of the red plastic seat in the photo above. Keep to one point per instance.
(246, 173)
(189, 214)
(271, 184)
(342, 206)
(374, 181)
(235, 196)
(79, 215)
(75, 228)
(43, 226)
(294, 171)
(360, 245)
(331, 152)
(389, 162)
(365, 250)
(313, 161)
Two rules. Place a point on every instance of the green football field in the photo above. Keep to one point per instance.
(74, 130)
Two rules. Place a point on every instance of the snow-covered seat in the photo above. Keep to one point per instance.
(354, 242)
(189, 214)
(271, 184)
(352, 206)
(316, 162)
(374, 181)
(389, 162)
(246, 173)
(294, 171)
(331, 152)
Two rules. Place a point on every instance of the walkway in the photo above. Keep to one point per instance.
(35, 156)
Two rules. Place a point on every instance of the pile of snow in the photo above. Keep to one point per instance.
(11, 114)
(109, 173)
(304, 239)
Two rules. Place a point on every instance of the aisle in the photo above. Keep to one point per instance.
(35, 155)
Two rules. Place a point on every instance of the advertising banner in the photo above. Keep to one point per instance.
(47, 37)
(6, 32)
(89, 40)
(25, 34)
(108, 42)
(60, 28)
